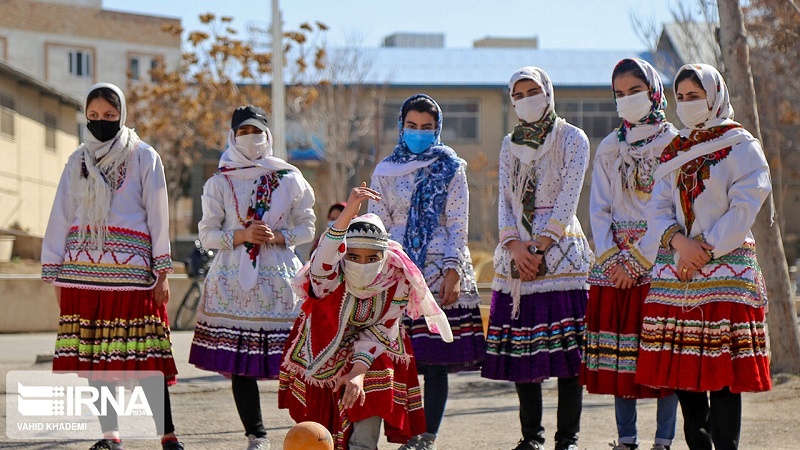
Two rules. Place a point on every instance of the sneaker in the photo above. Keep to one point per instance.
(621, 446)
(411, 444)
(567, 445)
(524, 444)
(261, 443)
(426, 444)
(106, 444)
(660, 447)
(172, 445)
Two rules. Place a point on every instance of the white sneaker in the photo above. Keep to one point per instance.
(261, 443)
(411, 444)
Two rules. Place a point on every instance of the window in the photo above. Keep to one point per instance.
(80, 63)
(6, 115)
(461, 119)
(596, 117)
(50, 127)
(134, 68)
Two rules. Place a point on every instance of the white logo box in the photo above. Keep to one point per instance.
(55, 406)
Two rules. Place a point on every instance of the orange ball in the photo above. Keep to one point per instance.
(308, 436)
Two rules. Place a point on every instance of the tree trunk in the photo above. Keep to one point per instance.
(782, 316)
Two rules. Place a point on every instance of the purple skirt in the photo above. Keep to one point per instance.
(466, 352)
(234, 351)
(544, 341)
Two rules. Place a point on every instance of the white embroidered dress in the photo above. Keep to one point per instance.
(271, 304)
(558, 168)
(137, 240)
(447, 248)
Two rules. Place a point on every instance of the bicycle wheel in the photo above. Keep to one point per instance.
(185, 318)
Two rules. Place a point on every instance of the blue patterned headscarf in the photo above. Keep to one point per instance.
(431, 182)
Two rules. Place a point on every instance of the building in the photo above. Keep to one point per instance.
(418, 40)
(38, 132)
(470, 84)
(73, 44)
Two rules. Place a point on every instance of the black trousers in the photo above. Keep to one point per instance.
(248, 403)
(568, 418)
(163, 420)
(718, 421)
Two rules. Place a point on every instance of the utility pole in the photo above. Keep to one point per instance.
(278, 125)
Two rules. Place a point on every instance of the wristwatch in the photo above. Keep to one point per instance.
(535, 250)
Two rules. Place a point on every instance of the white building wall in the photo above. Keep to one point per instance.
(46, 56)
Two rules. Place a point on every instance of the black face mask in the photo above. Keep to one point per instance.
(103, 130)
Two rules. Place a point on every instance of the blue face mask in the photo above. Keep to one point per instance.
(418, 141)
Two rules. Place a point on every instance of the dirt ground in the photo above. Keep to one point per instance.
(481, 414)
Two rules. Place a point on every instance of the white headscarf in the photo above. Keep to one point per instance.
(525, 153)
(232, 158)
(91, 189)
(720, 111)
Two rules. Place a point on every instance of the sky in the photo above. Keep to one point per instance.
(558, 24)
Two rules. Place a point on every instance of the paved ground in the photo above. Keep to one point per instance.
(481, 414)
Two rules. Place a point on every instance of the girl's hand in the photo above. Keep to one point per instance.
(450, 287)
(620, 278)
(693, 255)
(527, 263)
(258, 233)
(161, 289)
(357, 195)
(353, 384)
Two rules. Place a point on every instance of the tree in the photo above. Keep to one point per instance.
(339, 105)
(784, 336)
(186, 110)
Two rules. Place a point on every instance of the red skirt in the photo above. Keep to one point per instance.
(706, 348)
(610, 358)
(392, 393)
(102, 331)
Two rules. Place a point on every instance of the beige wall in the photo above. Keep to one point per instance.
(29, 172)
(29, 304)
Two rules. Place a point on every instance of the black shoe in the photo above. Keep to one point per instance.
(172, 445)
(528, 444)
(106, 444)
(567, 445)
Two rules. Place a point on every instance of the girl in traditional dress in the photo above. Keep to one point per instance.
(106, 250)
(348, 364)
(256, 208)
(425, 204)
(703, 331)
(541, 263)
(622, 181)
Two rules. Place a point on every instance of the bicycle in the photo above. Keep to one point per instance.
(196, 267)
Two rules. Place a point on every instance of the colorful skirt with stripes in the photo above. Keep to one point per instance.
(238, 351)
(709, 333)
(392, 393)
(704, 348)
(466, 352)
(544, 341)
(611, 349)
(101, 331)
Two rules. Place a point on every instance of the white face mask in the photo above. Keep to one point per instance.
(531, 109)
(694, 112)
(634, 108)
(361, 275)
(252, 146)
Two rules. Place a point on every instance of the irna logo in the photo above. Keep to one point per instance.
(81, 400)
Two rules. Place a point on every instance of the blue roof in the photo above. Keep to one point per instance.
(490, 67)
